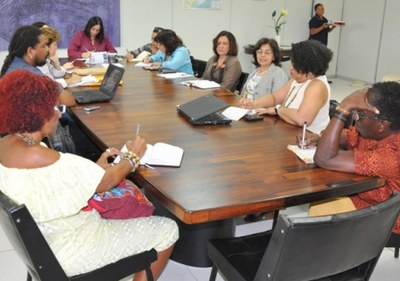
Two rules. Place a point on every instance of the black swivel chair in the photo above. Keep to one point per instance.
(42, 265)
(394, 242)
(342, 247)
(242, 81)
(198, 66)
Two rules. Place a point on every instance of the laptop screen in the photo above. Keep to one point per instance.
(202, 106)
(111, 79)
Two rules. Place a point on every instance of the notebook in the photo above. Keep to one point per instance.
(204, 111)
(107, 90)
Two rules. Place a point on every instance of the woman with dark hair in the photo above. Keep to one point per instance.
(91, 39)
(268, 75)
(305, 97)
(370, 148)
(57, 186)
(224, 67)
(172, 54)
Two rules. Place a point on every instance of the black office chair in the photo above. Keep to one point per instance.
(198, 66)
(242, 81)
(341, 247)
(42, 265)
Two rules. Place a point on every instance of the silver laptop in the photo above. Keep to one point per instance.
(204, 111)
(107, 90)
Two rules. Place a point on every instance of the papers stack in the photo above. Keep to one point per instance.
(305, 154)
(173, 75)
(201, 84)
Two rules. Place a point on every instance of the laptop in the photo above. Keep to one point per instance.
(107, 90)
(204, 111)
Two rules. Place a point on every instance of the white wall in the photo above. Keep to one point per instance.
(365, 49)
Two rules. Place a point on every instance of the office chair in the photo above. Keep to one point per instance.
(199, 66)
(42, 265)
(341, 247)
(242, 81)
(394, 242)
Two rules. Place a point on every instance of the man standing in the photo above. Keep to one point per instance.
(318, 25)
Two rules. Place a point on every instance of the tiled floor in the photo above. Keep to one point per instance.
(387, 269)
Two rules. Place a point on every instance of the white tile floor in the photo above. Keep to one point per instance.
(387, 269)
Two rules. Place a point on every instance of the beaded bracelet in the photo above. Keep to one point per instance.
(133, 159)
(341, 116)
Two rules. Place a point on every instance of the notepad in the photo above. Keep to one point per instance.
(306, 154)
(173, 75)
(159, 154)
(201, 84)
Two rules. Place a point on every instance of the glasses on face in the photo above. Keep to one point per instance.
(358, 115)
(62, 108)
(266, 53)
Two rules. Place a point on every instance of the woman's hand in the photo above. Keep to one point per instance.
(137, 146)
(156, 64)
(263, 110)
(129, 56)
(147, 59)
(86, 55)
(310, 140)
(245, 103)
(103, 160)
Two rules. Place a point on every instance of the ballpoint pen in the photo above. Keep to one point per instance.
(303, 137)
(137, 129)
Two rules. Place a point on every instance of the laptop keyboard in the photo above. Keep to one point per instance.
(213, 118)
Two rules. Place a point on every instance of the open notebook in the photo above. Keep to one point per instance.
(159, 154)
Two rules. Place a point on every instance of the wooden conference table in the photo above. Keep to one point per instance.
(227, 171)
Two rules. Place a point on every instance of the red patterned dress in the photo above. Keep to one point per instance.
(379, 159)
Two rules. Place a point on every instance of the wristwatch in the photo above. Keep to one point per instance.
(276, 108)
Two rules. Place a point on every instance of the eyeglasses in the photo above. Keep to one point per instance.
(357, 115)
(62, 108)
(266, 53)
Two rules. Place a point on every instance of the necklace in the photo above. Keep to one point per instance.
(28, 139)
(294, 96)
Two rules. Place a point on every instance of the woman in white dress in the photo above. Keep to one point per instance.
(56, 186)
(305, 97)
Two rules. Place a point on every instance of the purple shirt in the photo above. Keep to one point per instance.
(80, 43)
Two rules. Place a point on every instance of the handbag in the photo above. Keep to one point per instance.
(124, 201)
(62, 140)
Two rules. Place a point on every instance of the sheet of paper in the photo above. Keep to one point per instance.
(84, 80)
(142, 64)
(235, 113)
(105, 65)
(140, 57)
(173, 75)
(201, 84)
(306, 154)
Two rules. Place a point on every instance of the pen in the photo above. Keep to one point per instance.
(303, 138)
(137, 129)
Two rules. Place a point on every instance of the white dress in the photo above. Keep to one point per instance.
(296, 96)
(81, 241)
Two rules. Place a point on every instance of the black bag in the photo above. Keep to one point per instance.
(62, 140)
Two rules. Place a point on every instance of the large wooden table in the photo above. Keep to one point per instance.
(227, 171)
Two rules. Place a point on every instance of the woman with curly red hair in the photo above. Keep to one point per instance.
(56, 186)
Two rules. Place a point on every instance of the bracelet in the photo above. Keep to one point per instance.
(132, 158)
(342, 110)
(341, 116)
(276, 109)
(133, 164)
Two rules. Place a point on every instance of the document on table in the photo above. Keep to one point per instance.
(174, 75)
(201, 84)
(235, 113)
(159, 154)
(305, 154)
(89, 79)
(142, 64)
(141, 57)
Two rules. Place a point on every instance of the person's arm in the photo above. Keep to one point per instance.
(74, 48)
(177, 59)
(207, 70)
(146, 48)
(233, 70)
(115, 174)
(316, 30)
(157, 57)
(315, 96)
(66, 98)
(268, 101)
(329, 154)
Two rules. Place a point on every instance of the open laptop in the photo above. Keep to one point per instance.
(204, 111)
(107, 90)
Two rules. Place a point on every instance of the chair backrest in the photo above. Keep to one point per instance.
(198, 66)
(316, 247)
(242, 81)
(28, 241)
